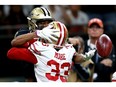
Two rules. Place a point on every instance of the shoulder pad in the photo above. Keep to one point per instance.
(21, 31)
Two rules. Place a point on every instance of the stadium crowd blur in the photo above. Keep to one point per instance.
(76, 18)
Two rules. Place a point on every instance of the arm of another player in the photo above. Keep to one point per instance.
(79, 58)
(46, 33)
(21, 54)
(22, 39)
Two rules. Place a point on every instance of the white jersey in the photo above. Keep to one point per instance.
(52, 65)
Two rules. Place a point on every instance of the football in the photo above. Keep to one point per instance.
(104, 46)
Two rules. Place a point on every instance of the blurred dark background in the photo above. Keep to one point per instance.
(13, 17)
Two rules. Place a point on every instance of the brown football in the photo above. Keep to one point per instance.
(104, 46)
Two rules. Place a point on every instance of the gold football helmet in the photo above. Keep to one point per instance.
(62, 35)
(38, 14)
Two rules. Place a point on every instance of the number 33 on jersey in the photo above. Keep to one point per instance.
(52, 65)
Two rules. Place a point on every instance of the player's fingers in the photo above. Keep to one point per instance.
(53, 38)
(54, 35)
(49, 40)
(54, 30)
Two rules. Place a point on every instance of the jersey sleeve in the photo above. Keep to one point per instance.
(73, 51)
(38, 47)
(21, 54)
(27, 44)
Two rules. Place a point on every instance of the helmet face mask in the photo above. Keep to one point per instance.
(38, 15)
(32, 25)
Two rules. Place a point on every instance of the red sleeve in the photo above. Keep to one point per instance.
(21, 54)
(27, 44)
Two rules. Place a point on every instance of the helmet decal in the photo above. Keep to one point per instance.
(46, 12)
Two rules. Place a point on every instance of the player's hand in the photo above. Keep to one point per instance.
(48, 33)
(89, 54)
(107, 62)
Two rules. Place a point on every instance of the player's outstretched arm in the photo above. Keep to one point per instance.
(22, 39)
(79, 58)
(46, 33)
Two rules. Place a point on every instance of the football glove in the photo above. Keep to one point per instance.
(89, 55)
(48, 33)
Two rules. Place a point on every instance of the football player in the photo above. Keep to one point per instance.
(52, 58)
(38, 18)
